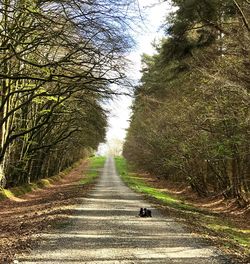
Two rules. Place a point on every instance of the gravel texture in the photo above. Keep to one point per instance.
(106, 228)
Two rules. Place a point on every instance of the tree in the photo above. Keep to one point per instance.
(193, 101)
(51, 52)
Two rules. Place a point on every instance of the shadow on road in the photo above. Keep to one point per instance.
(107, 229)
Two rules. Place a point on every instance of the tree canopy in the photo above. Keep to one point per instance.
(58, 61)
(193, 101)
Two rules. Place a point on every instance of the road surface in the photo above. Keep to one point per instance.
(106, 229)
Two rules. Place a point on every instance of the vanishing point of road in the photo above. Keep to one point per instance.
(106, 229)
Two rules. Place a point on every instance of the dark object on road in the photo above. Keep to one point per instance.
(144, 212)
(141, 213)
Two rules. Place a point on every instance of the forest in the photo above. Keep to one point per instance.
(190, 121)
(59, 61)
(180, 190)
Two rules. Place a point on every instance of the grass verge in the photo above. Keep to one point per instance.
(26, 188)
(95, 164)
(93, 171)
(212, 225)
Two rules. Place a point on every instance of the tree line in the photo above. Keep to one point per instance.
(190, 120)
(59, 61)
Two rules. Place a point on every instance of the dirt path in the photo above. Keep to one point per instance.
(106, 229)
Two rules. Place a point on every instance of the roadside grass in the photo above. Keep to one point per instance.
(93, 171)
(95, 164)
(217, 227)
(26, 188)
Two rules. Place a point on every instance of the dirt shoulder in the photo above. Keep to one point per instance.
(217, 205)
(223, 222)
(40, 210)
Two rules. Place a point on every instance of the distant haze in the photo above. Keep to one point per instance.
(155, 14)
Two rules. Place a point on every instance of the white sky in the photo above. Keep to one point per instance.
(155, 13)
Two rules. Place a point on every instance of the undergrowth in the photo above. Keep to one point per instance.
(92, 172)
(26, 188)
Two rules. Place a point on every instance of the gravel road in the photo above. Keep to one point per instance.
(106, 229)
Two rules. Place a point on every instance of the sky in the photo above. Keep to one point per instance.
(155, 13)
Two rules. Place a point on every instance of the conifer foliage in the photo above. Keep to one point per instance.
(190, 119)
